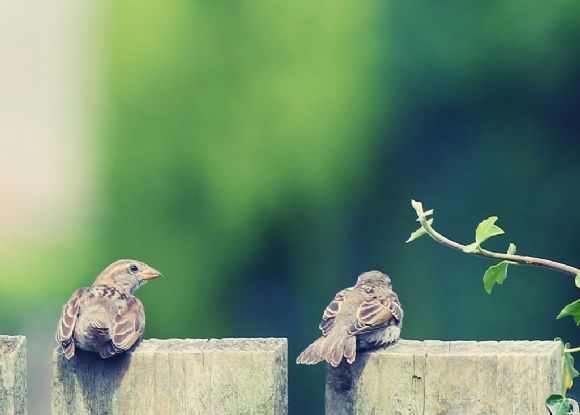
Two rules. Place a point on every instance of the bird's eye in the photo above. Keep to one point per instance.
(133, 269)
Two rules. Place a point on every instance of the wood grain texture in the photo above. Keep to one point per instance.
(436, 377)
(176, 376)
(12, 375)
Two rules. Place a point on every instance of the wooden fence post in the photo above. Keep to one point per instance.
(436, 377)
(12, 375)
(227, 376)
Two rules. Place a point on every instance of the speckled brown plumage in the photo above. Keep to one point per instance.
(106, 317)
(367, 315)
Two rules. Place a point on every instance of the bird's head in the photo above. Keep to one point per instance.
(374, 278)
(127, 274)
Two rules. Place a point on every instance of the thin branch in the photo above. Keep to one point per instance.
(518, 259)
(574, 350)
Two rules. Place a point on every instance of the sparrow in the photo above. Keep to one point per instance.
(106, 317)
(363, 317)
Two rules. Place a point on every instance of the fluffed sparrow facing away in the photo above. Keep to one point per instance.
(368, 315)
(106, 317)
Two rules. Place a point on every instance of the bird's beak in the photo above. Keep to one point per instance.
(150, 274)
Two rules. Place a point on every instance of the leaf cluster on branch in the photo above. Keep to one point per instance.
(497, 274)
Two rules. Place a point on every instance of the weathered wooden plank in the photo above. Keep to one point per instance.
(12, 375)
(227, 376)
(436, 377)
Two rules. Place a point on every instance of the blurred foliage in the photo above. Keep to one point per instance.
(224, 123)
(262, 155)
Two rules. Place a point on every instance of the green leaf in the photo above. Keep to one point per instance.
(569, 372)
(487, 229)
(496, 274)
(419, 232)
(558, 405)
(572, 309)
(577, 280)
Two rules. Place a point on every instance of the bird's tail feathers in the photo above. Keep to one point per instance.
(331, 348)
(109, 350)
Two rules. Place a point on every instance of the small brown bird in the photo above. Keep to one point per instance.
(106, 317)
(366, 316)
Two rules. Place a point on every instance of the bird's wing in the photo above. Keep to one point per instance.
(330, 313)
(376, 313)
(129, 324)
(68, 318)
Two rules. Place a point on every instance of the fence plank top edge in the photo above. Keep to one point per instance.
(11, 344)
(471, 348)
(237, 345)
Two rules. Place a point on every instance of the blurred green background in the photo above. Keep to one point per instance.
(263, 154)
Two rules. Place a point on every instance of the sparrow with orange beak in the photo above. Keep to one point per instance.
(106, 318)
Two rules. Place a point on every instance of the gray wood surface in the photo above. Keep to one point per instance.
(12, 375)
(189, 376)
(436, 377)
